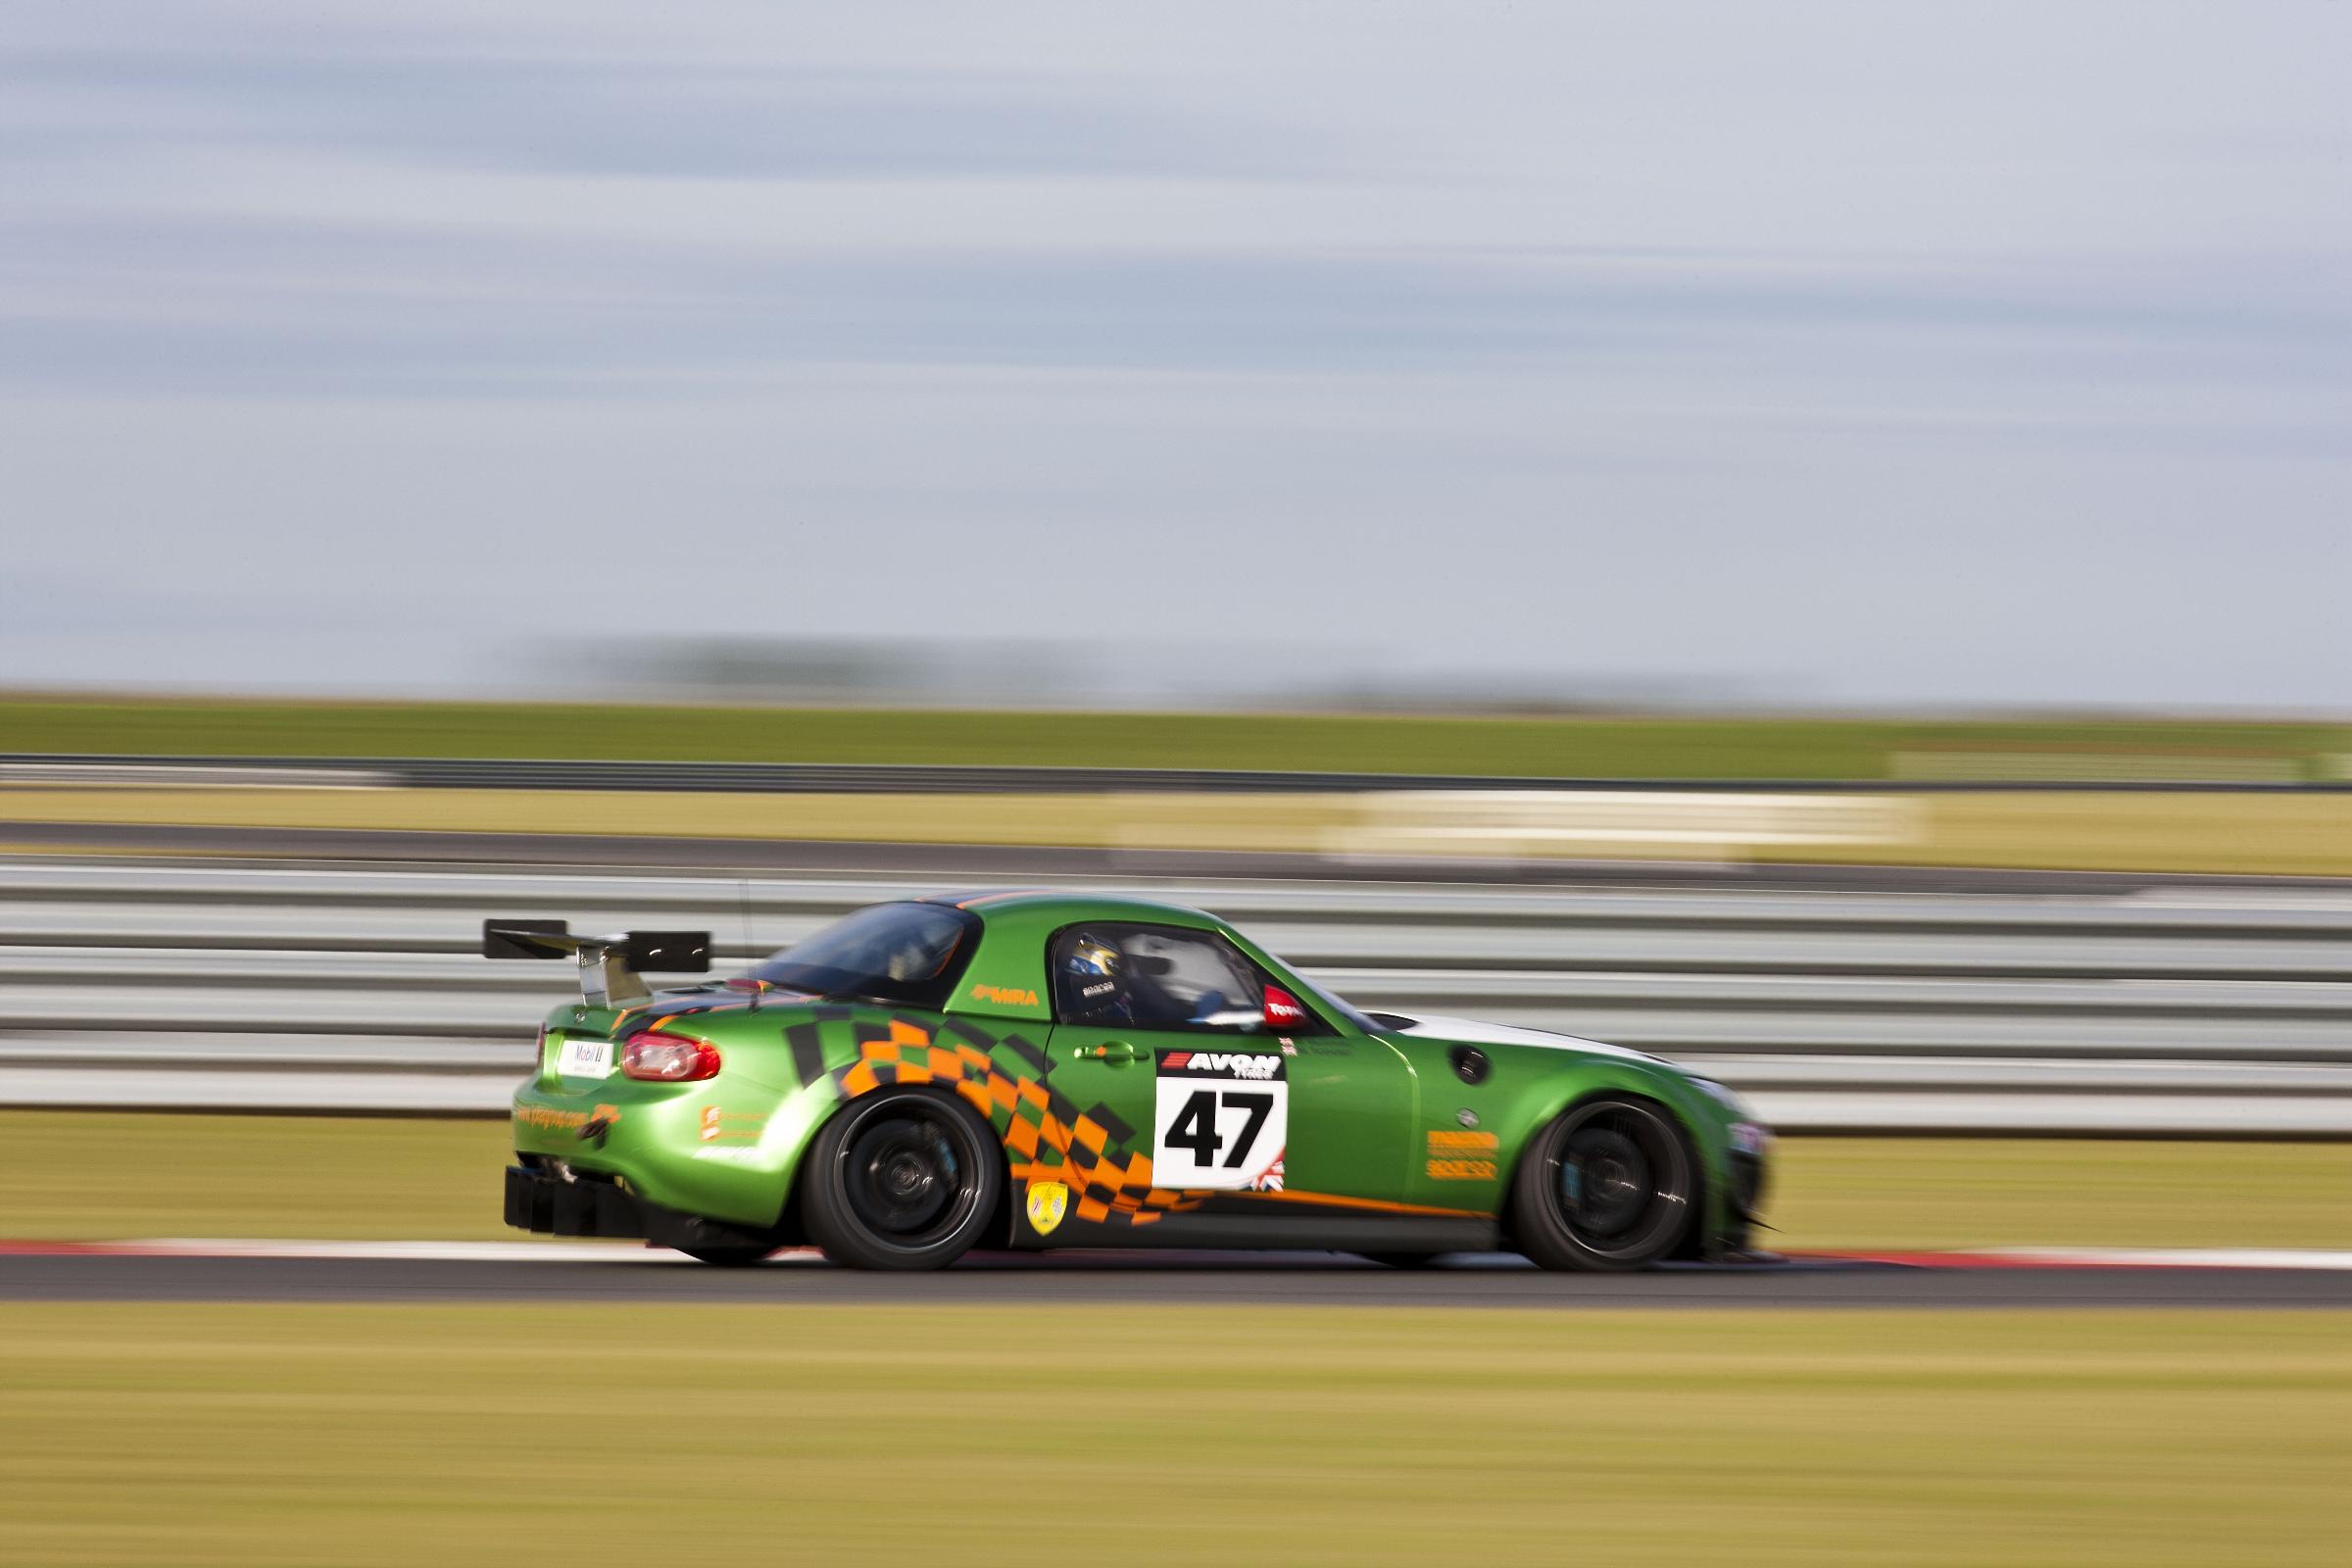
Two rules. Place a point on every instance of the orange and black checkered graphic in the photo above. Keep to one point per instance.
(1047, 1136)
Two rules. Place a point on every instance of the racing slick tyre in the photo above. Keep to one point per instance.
(1610, 1186)
(904, 1179)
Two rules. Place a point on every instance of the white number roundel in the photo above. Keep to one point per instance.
(1219, 1119)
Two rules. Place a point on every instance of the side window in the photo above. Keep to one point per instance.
(1154, 977)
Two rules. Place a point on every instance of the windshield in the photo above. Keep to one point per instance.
(909, 953)
(1331, 1003)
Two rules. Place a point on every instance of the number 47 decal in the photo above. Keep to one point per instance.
(1220, 1119)
(1194, 1128)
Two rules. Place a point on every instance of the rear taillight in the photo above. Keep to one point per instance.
(668, 1059)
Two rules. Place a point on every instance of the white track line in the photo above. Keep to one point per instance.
(2177, 1256)
(427, 1251)
(633, 1253)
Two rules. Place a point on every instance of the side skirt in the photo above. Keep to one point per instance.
(1295, 1233)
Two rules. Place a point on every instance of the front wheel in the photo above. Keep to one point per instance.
(1609, 1186)
(904, 1179)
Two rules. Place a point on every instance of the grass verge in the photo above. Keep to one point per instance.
(95, 1175)
(498, 1433)
(1768, 747)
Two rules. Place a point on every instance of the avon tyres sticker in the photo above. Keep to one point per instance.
(1220, 1119)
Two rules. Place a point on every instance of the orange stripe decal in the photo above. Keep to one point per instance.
(991, 898)
(1376, 1205)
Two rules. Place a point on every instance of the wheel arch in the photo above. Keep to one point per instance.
(999, 1225)
(1691, 1241)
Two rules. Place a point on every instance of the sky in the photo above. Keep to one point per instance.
(1873, 354)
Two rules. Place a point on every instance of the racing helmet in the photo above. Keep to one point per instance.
(1095, 969)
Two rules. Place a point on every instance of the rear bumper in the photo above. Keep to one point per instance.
(549, 1206)
(723, 1147)
(546, 1204)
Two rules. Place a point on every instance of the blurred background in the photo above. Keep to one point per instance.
(1811, 355)
(1809, 538)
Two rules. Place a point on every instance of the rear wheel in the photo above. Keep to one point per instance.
(1609, 1186)
(904, 1179)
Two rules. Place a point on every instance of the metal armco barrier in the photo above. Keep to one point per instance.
(2183, 1010)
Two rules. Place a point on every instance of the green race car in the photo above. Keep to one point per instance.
(1029, 1070)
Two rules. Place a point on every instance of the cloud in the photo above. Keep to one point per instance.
(256, 307)
(1829, 341)
(552, 115)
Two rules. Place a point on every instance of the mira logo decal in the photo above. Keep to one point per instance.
(1004, 995)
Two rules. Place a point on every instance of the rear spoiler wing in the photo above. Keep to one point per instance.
(610, 966)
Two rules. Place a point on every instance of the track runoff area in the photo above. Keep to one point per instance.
(232, 1270)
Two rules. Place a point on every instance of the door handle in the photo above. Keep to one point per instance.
(1112, 1050)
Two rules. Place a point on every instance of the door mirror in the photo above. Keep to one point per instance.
(1284, 1015)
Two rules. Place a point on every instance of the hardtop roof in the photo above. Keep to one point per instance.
(1074, 906)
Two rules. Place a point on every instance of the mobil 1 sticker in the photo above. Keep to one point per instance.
(1219, 1118)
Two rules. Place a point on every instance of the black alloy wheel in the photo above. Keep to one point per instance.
(904, 1179)
(1611, 1185)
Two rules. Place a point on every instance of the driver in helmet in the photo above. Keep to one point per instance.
(920, 957)
(1094, 982)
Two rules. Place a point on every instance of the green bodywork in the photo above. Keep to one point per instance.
(1381, 1121)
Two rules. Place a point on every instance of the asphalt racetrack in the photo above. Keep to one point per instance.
(396, 1272)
